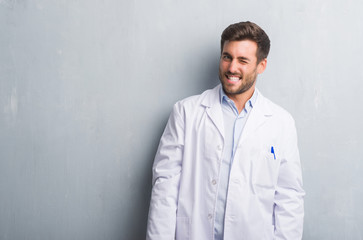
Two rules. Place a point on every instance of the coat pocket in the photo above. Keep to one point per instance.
(182, 228)
(266, 171)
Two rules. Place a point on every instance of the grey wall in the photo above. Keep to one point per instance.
(86, 88)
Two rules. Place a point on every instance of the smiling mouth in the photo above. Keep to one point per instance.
(233, 78)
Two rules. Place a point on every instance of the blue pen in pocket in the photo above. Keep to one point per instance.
(273, 152)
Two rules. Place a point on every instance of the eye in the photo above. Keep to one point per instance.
(226, 57)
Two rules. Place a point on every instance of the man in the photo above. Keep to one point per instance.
(228, 165)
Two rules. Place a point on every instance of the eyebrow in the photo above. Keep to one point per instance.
(239, 58)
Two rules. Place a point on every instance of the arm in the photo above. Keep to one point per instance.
(289, 202)
(166, 176)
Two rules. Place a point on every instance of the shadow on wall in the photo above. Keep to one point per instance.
(208, 69)
(136, 227)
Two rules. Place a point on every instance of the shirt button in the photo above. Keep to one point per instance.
(214, 182)
(219, 147)
(210, 216)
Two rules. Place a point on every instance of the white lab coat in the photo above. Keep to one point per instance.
(265, 194)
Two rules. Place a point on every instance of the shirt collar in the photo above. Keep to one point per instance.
(250, 101)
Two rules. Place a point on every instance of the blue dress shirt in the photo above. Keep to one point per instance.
(234, 123)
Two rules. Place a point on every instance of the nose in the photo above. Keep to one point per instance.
(232, 66)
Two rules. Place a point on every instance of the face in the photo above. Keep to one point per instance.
(238, 68)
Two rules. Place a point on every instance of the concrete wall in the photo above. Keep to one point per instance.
(86, 88)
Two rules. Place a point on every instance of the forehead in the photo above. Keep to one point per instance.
(244, 48)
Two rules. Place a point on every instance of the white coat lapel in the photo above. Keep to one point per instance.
(214, 109)
(258, 116)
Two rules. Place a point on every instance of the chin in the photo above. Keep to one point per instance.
(232, 89)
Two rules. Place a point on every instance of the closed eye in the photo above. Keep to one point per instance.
(243, 60)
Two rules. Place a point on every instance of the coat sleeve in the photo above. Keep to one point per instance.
(166, 177)
(289, 202)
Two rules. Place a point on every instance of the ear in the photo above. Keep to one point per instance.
(261, 66)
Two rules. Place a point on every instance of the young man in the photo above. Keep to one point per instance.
(228, 165)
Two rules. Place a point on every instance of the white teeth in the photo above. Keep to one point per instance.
(233, 79)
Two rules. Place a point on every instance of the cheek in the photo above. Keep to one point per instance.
(248, 71)
(223, 67)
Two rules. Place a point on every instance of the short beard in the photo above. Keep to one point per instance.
(248, 83)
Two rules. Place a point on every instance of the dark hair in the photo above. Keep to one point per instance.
(248, 31)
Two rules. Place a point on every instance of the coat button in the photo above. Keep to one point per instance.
(235, 180)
